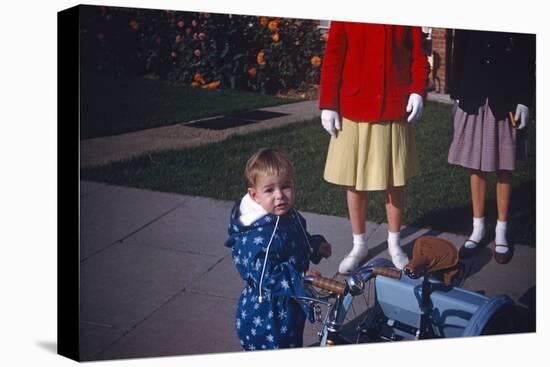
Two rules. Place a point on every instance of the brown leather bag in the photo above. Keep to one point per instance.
(434, 255)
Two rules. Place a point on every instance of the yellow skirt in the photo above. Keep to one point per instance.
(372, 156)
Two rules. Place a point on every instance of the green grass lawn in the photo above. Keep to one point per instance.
(438, 198)
(111, 106)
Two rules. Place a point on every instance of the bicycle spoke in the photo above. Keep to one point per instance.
(357, 314)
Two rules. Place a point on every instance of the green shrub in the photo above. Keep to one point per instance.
(210, 50)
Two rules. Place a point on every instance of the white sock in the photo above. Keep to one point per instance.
(500, 237)
(393, 241)
(398, 256)
(359, 239)
(359, 252)
(360, 248)
(477, 233)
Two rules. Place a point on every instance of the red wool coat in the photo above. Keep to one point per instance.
(369, 70)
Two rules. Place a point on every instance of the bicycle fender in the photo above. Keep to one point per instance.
(483, 315)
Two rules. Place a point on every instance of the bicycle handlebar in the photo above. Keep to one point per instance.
(387, 272)
(330, 285)
(337, 287)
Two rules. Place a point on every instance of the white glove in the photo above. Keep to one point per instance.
(331, 121)
(522, 114)
(455, 107)
(416, 105)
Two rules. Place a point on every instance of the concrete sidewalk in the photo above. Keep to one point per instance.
(156, 279)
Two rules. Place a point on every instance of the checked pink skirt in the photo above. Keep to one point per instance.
(480, 142)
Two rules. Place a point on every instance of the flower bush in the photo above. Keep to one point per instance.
(259, 53)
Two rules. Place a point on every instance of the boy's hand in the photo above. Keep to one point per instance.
(313, 273)
(322, 250)
(325, 250)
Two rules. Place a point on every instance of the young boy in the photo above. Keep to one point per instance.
(271, 250)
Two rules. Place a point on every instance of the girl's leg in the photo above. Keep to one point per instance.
(357, 209)
(478, 187)
(504, 190)
(395, 200)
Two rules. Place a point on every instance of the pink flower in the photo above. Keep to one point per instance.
(194, 23)
(181, 24)
(178, 39)
(188, 30)
(134, 24)
(206, 15)
(173, 54)
(202, 36)
(195, 36)
(197, 52)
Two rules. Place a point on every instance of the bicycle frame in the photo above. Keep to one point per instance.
(412, 308)
(334, 318)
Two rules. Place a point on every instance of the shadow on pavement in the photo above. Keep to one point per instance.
(527, 308)
(521, 218)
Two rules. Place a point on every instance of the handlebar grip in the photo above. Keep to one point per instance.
(387, 272)
(330, 285)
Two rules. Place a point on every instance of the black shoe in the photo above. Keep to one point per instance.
(467, 252)
(503, 258)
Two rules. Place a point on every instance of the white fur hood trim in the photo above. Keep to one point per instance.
(250, 210)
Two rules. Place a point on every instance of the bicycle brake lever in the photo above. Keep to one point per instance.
(355, 284)
(411, 274)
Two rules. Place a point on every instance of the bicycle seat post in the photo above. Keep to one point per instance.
(425, 330)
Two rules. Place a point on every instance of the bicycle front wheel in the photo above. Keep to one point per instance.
(360, 319)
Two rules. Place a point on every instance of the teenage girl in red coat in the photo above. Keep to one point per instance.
(372, 76)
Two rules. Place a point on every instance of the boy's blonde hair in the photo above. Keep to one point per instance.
(268, 162)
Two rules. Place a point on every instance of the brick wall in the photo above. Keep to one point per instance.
(439, 60)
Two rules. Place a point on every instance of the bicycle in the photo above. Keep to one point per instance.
(378, 302)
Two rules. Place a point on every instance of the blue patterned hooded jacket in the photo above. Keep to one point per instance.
(268, 317)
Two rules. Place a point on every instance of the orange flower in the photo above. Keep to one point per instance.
(213, 85)
(198, 78)
(325, 36)
(252, 72)
(195, 84)
(315, 61)
(263, 21)
(275, 37)
(273, 26)
(260, 58)
(134, 24)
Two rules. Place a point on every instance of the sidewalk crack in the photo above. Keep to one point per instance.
(132, 233)
(136, 325)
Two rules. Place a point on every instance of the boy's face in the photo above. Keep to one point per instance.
(274, 193)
